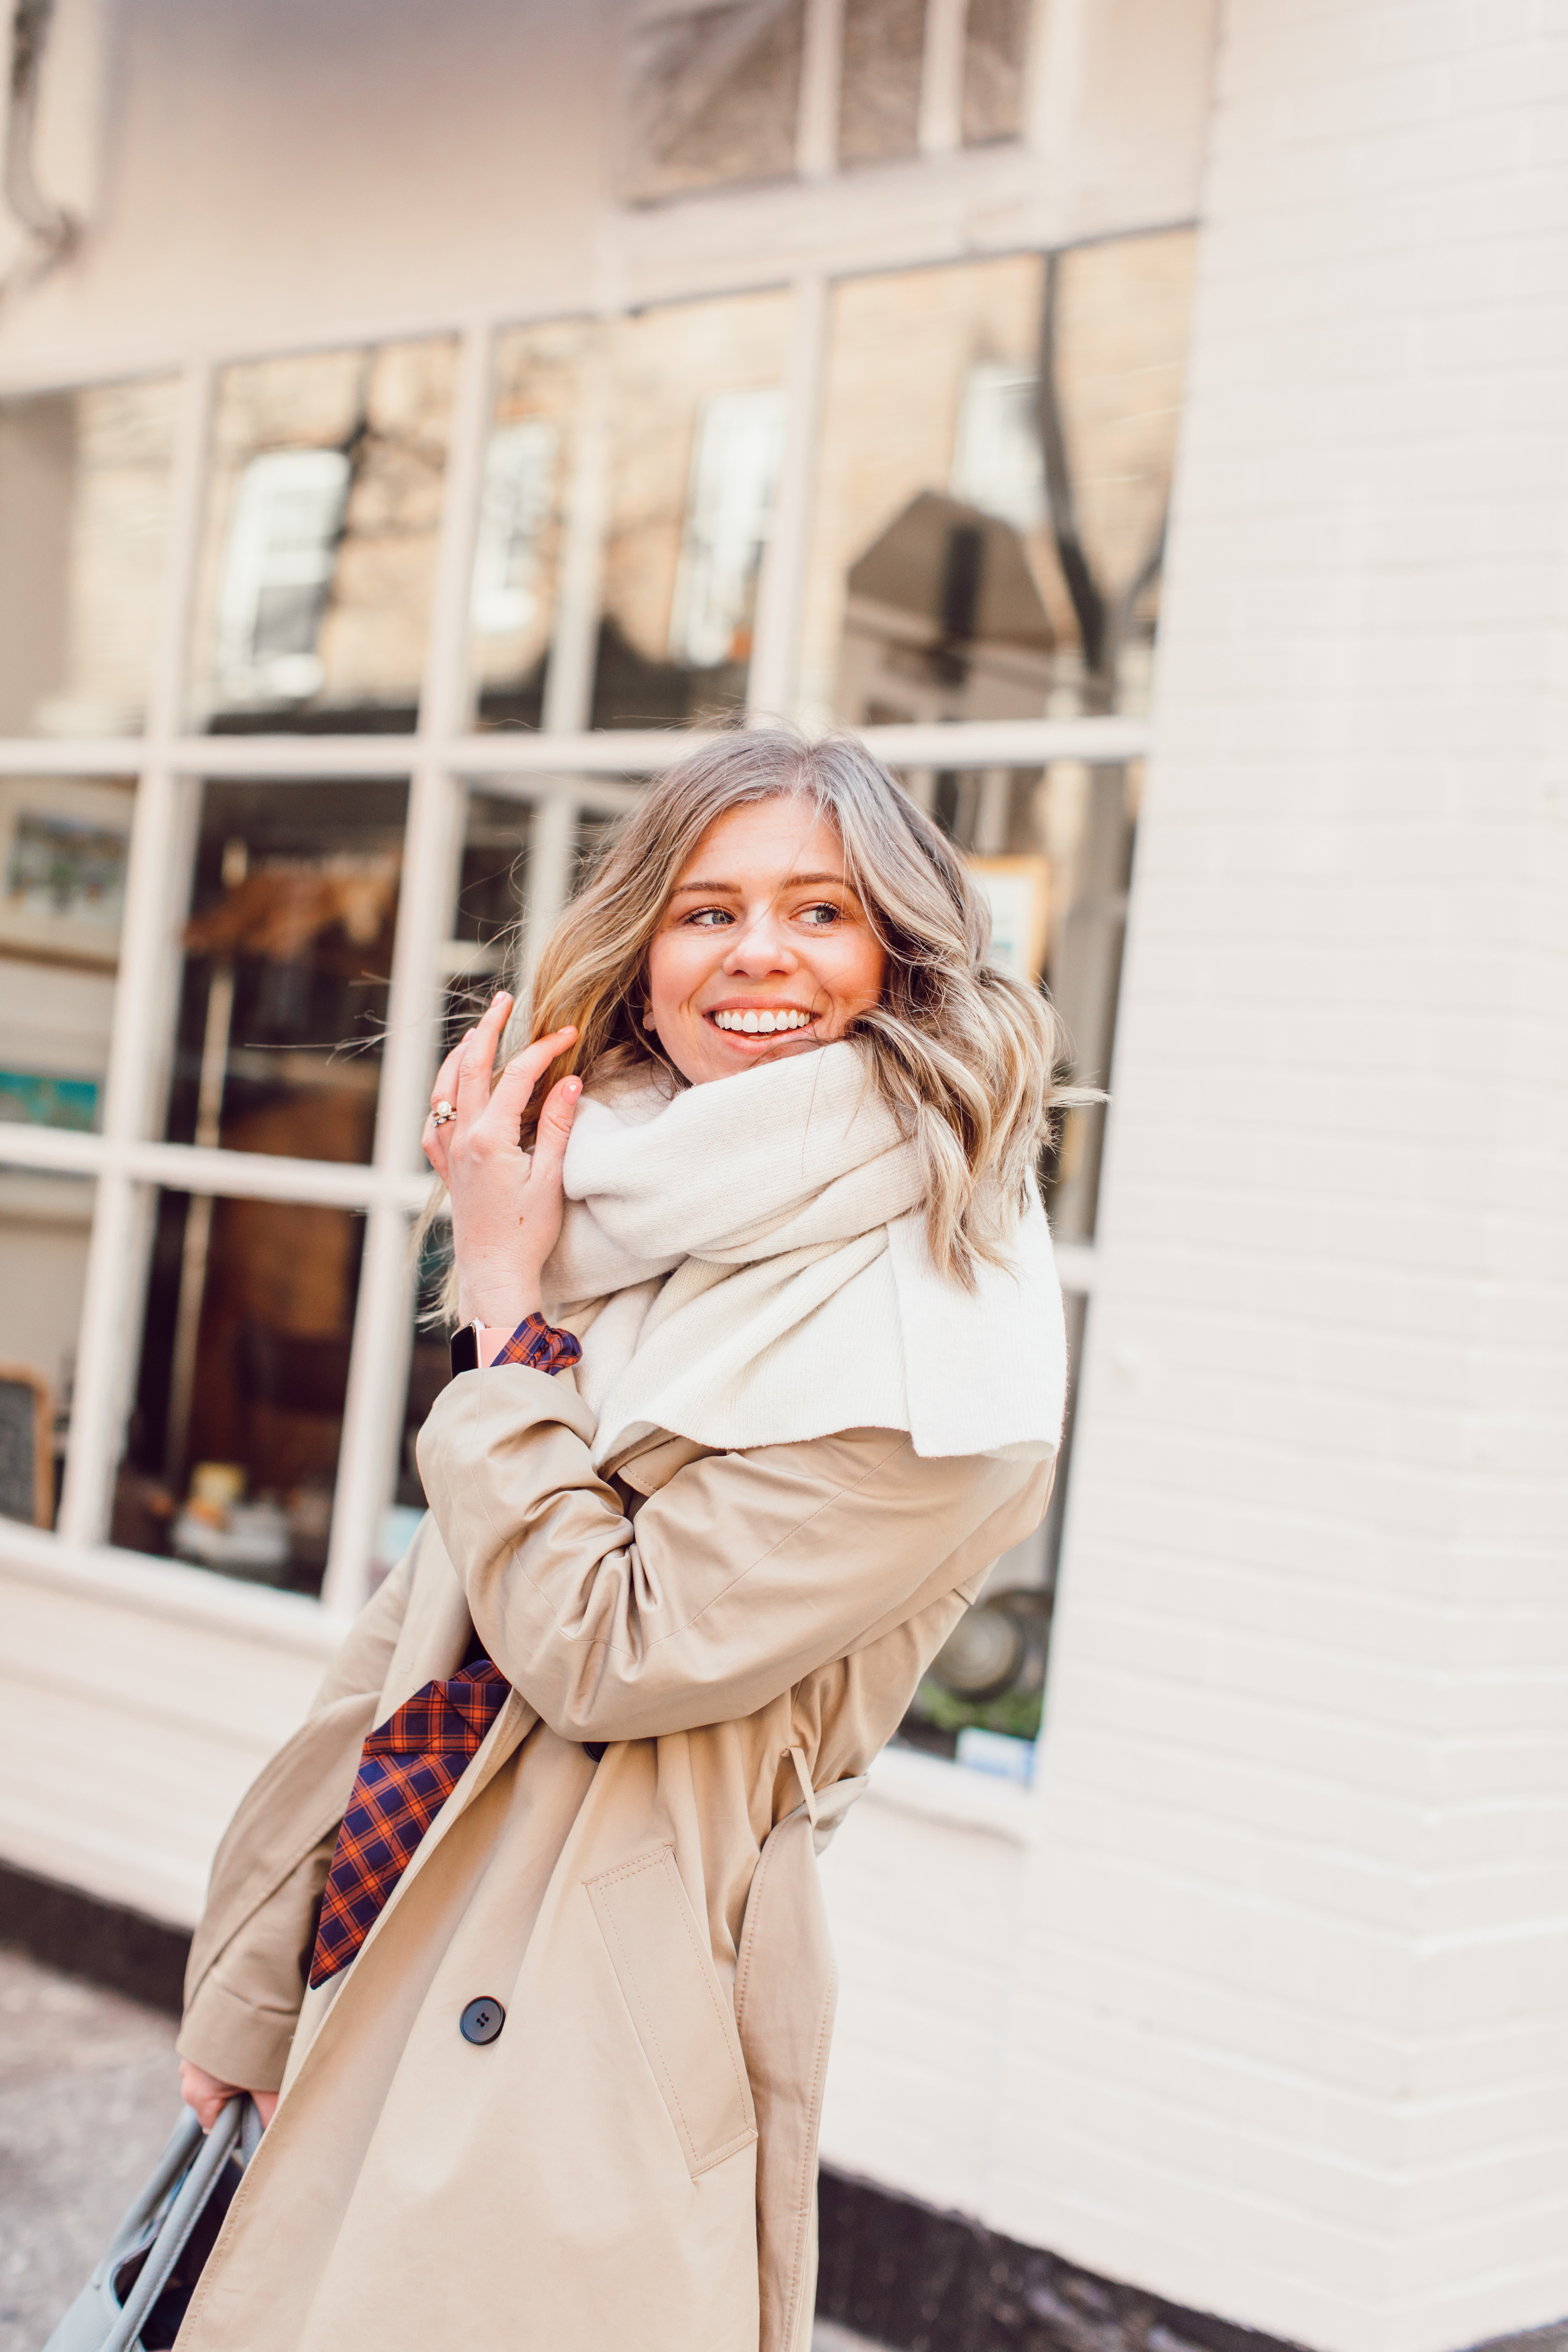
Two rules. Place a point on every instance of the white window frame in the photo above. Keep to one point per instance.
(564, 772)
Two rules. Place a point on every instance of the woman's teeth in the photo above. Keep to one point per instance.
(763, 1023)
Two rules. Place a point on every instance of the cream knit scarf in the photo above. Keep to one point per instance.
(745, 1265)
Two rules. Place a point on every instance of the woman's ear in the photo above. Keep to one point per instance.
(648, 1016)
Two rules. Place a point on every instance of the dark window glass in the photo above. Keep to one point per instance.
(232, 1450)
(288, 963)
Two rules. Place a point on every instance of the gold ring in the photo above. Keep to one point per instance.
(443, 1114)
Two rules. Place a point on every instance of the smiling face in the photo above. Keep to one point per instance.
(764, 948)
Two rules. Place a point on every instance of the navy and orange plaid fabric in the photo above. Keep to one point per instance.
(539, 1346)
(410, 1765)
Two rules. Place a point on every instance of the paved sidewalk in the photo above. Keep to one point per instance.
(88, 2096)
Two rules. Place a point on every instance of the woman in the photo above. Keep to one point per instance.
(768, 1369)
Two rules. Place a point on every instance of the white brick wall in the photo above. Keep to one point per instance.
(1287, 2033)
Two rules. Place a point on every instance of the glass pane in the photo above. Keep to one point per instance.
(699, 420)
(715, 93)
(491, 889)
(879, 90)
(995, 54)
(540, 390)
(1053, 849)
(64, 846)
(287, 960)
(982, 1696)
(946, 580)
(232, 1449)
(84, 497)
(45, 1226)
(319, 551)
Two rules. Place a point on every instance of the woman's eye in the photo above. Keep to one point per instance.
(820, 915)
(709, 918)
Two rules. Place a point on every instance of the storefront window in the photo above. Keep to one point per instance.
(992, 485)
(1052, 848)
(318, 551)
(996, 59)
(232, 1450)
(542, 383)
(84, 498)
(697, 420)
(715, 90)
(288, 959)
(64, 847)
(880, 79)
(46, 1222)
(974, 536)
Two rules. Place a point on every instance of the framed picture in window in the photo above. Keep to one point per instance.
(65, 844)
(1019, 891)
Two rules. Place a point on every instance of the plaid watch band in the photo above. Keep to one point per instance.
(539, 1346)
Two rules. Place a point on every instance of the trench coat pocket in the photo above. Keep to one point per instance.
(659, 1951)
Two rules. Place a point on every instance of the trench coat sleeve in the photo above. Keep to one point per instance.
(746, 1571)
(246, 1978)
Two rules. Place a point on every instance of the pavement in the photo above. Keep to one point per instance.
(88, 2097)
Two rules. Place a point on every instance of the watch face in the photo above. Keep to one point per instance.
(465, 1350)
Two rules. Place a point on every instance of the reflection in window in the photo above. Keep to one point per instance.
(714, 91)
(84, 492)
(540, 386)
(46, 1224)
(994, 469)
(478, 955)
(278, 567)
(1052, 850)
(232, 1450)
(880, 84)
(318, 551)
(697, 424)
(981, 1697)
(996, 58)
(288, 963)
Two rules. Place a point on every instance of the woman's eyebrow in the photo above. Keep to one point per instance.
(790, 882)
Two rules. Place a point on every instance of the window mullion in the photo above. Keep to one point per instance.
(942, 76)
(550, 851)
(822, 60)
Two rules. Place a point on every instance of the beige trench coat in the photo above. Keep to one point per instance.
(632, 2161)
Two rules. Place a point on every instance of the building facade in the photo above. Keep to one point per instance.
(1140, 418)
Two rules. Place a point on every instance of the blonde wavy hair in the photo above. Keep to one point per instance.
(966, 1057)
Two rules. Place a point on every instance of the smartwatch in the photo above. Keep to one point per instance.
(466, 1348)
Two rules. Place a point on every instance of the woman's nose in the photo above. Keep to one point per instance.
(760, 947)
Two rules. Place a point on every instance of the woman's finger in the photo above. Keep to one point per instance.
(446, 1076)
(433, 1143)
(554, 1130)
(476, 1059)
(514, 1087)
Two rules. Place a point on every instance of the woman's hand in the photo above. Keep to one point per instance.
(506, 1203)
(209, 2097)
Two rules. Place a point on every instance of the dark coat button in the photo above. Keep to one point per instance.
(481, 2020)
